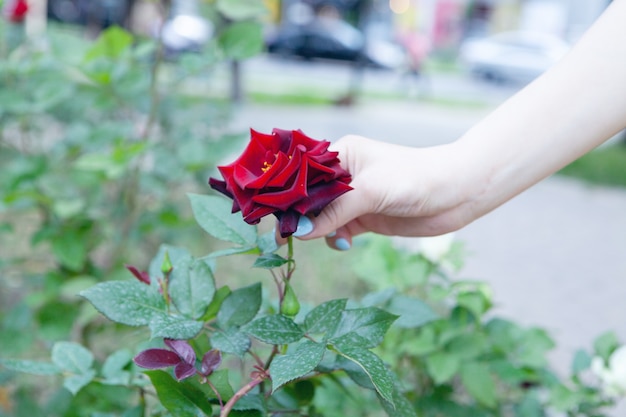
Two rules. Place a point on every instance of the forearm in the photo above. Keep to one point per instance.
(568, 111)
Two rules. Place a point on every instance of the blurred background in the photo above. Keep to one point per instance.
(98, 145)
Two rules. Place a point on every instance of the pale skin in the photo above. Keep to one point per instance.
(565, 113)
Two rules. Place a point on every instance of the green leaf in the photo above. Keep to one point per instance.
(325, 317)
(214, 215)
(173, 327)
(214, 307)
(230, 341)
(267, 242)
(75, 383)
(241, 9)
(275, 330)
(240, 306)
(468, 346)
(373, 366)
(242, 40)
(401, 406)
(113, 368)
(232, 251)
(76, 360)
(192, 287)
(219, 379)
(177, 256)
(269, 261)
(442, 366)
(411, 312)
(72, 357)
(304, 359)
(581, 361)
(479, 383)
(474, 301)
(533, 348)
(180, 400)
(254, 402)
(110, 44)
(371, 323)
(530, 406)
(605, 344)
(70, 249)
(128, 302)
(30, 367)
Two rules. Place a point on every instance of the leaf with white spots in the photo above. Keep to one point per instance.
(214, 215)
(192, 287)
(373, 366)
(230, 341)
(294, 365)
(240, 306)
(275, 330)
(370, 323)
(128, 302)
(173, 327)
(325, 317)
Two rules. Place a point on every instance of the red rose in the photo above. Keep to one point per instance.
(16, 10)
(287, 174)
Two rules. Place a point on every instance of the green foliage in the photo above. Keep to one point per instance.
(603, 166)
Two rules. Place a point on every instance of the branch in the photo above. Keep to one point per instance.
(242, 391)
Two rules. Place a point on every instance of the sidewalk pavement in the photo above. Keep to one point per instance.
(555, 255)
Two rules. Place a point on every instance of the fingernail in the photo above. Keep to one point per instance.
(332, 234)
(342, 244)
(305, 226)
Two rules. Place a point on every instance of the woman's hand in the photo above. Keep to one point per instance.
(397, 191)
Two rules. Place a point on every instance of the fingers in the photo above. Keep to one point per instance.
(340, 240)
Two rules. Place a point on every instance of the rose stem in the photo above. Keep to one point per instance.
(242, 391)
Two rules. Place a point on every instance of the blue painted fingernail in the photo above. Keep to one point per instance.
(331, 234)
(305, 226)
(342, 244)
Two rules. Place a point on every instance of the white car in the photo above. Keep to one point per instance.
(512, 56)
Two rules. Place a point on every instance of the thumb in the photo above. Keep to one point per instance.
(340, 212)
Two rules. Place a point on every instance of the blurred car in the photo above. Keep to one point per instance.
(512, 56)
(102, 13)
(334, 39)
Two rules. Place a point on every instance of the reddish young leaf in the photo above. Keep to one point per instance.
(140, 275)
(157, 358)
(210, 362)
(184, 370)
(183, 349)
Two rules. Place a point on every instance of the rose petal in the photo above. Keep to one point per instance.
(300, 139)
(282, 178)
(287, 222)
(320, 196)
(283, 139)
(277, 167)
(157, 358)
(260, 211)
(282, 200)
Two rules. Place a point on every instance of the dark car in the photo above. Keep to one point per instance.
(102, 13)
(333, 39)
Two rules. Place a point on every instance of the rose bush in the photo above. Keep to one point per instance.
(612, 374)
(15, 10)
(285, 173)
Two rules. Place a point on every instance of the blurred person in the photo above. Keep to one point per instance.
(569, 110)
